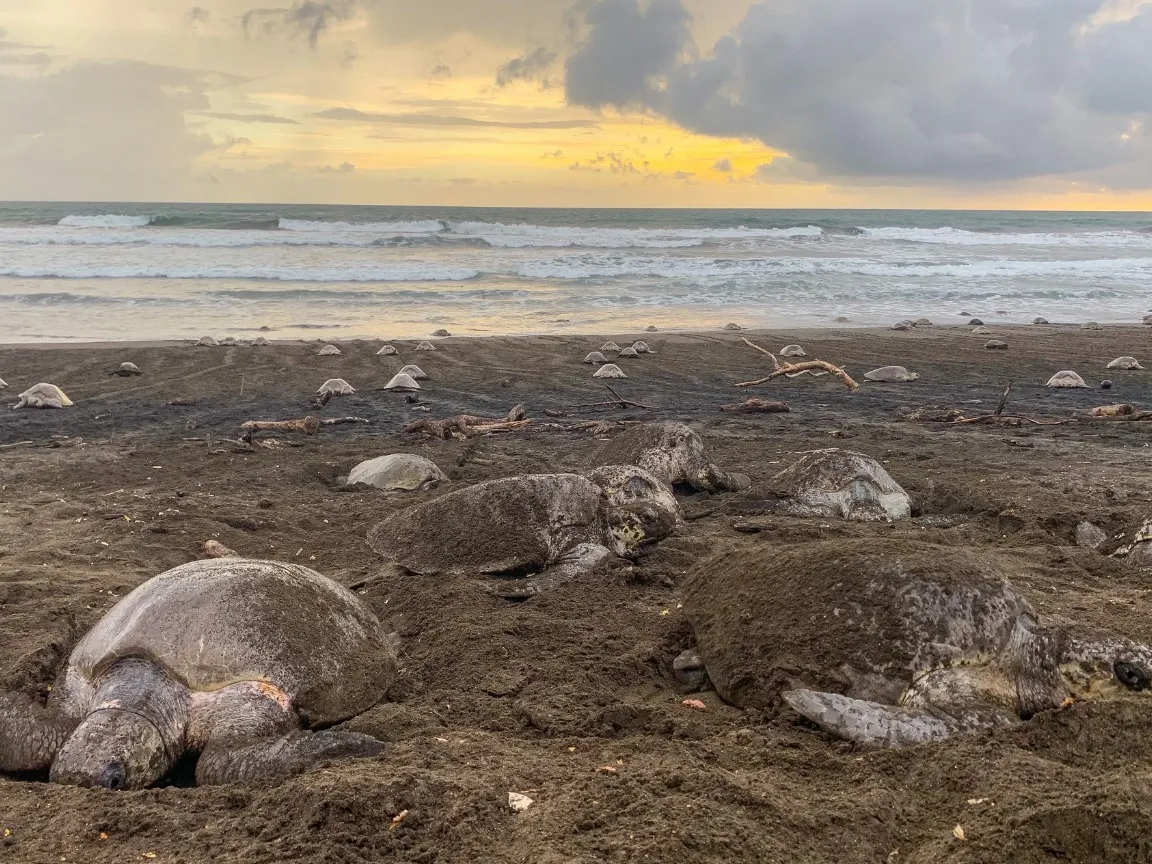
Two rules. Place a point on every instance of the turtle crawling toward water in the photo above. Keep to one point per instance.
(595, 358)
(206, 342)
(892, 375)
(232, 659)
(1066, 380)
(329, 351)
(840, 484)
(44, 396)
(890, 644)
(126, 370)
(398, 472)
(527, 534)
(673, 453)
(1126, 363)
(336, 387)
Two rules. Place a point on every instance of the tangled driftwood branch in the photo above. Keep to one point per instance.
(756, 406)
(469, 425)
(308, 425)
(797, 368)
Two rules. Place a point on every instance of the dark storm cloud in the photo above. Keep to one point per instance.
(309, 19)
(904, 89)
(250, 118)
(532, 66)
(351, 114)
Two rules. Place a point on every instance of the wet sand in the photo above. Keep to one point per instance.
(536, 697)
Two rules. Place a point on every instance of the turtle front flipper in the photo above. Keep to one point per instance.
(30, 735)
(879, 725)
(271, 759)
(712, 478)
(577, 561)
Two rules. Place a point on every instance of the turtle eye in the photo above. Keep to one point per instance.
(1131, 676)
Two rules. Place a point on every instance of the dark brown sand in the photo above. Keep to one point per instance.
(569, 698)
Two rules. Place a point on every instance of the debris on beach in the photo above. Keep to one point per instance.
(756, 406)
(308, 425)
(260, 342)
(793, 369)
(518, 803)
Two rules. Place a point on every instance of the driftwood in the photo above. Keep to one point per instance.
(308, 425)
(756, 406)
(341, 421)
(791, 369)
(469, 425)
(213, 549)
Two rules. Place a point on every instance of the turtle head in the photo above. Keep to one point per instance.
(1092, 668)
(636, 524)
(112, 749)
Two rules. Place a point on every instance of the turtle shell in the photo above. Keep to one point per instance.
(215, 623)
(670, 451)
(841, 484)
(387, 351)
(329, 351)
(609, 370)
(398, 472)
(1125, 363)
(864, 618)
(595, 357)
(206, 342)
(414, 372)
(336, 387)
(1066, 379)
(891, 375)
(402, 383)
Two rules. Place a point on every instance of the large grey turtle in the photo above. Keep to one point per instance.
(260, 342)
(388, 351)
(229, 342)
(892, 375)
(1126, 363)
(336, 387)
(609, 370)
(595, 358)
(402, 383)
(425, 346)
(526, 533)
(235, 660)
(672, 452)
(398, 472)
(206, 342)
(329, 351)
(44, 396)
(1066, 380)
(414, 372)
(890, 644)
(840, 484)
(126, 370)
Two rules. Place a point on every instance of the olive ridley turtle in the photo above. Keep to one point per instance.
(388, 351)
(228, 342)
(630, 352)
(901, 325)
(1126, 363)
(260, 342)
(981, 331)
(206, 342)
(609, 370)
(402, 383)
(415, 372)
(336, 387)
(1090, 325)
(673, 453)
(609, 346)
(732, 326)
(44, 396)
(1039, 320)
(126, 370)
(996, 345)
(595, 357)
(3, 383)
(892, 375)
(642, 348)
(1066, 379)
(441, 332)
(890, 643)
(793, 351)
(235, 660)
(651, 328)
(329, 351)
(425, 346)
(840, 484)
(398, 472)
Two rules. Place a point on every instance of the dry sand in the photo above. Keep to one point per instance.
(569, 698)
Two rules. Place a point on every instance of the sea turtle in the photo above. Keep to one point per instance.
(388, 351)
(235, 660)
(609, 370)
(415, 372)
(3, 383)
(399, 472)
(1039, 320)
(651, 328)
(892, 375)
(336, 387)
(126, 370)
(840, 484)
(642, 348)
(260, 342)
(981, 331)
(526, 533)
(975, 322)
(265, 329)
(842, 319)
(609, 346)
(732, 326)
(43, 396)
(996, 345)
(402, 384)
(891, 643)
(630, 352)
(595, 357)
(1066, 379)
(425, 346)
(329, 351)
(793, 351)
(1148, 319)
(1090, 325)
(922, 322)
(901, 325)
(673, 453)
(441, 332)
(228, 342)
(1126, 363)
(206, 342)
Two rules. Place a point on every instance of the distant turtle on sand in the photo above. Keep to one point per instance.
(3, 383)
(595, 357)
(673, 453)
(901, 325)
(1039, 320)
(996, 345)
(609, 370)
(416, 372)
(733, 327)
(975, 322)
(923, 322)
(981, 331)
(609, 346)
(265, 329)
(642, 348)
(336, 387)
(126, 370)
(402, 383)
(1127, 363)
(526, 533)
(842, 319)
(387, 351)
(260, 342)
(399, 472)
(650, 329)
(228, 342)
(629, 352)
(793, 351)
(425, 346)
(206, 342)
(891, 643)
(1091, 325)
(233, 659)
(43, 396)
(1066, 380)
(892, 375)
(329, 351)
(1148, 319)
(840, 484)
(441, 332)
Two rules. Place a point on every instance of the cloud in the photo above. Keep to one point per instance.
(250, 118)
(199, 15)
(40, 60)
(903, 90)
(408, 119)
(343, 168)
(349, 54)
(309, 19)
(724, 166)
(532, 66)
(440, 71)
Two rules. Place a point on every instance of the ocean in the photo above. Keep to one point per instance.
(89, 272)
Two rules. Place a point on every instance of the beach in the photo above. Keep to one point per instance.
(569, 698)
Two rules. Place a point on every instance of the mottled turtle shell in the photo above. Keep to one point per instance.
(215, 623)
(387, 351)
(609, 346)
(260, 342)
(398, 472)
(206, 342)
(229, 342)
(609, 370)
(891, 374)
(630, 352)
(1127, 363)
(415, 372)
(595, 357)
(441, 332)
(841, 484)
(425, 346)
(1067, 379)
(336, 387)
(329, 351)
(402, 383)
(44, 396)
(793, 351)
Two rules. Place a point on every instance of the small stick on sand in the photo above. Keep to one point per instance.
(341, 421)
(626, 403)
(756, 406)
(308, 425)
(791, 368)
(17, 444)
(1003, 400)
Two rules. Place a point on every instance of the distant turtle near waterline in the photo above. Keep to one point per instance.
(891, 643)
(840, 484)
(996, 345)
(733, 326)
(3, 383)
(595, 357)
(126, 370)
(425, 346)
(415, 372)
(399, 472)
(923, 322)
(975, 322)
(901, 325)
(793, 351)
(527, 533)
(336, 387)
(388, 351)
(230, 658)
(629, 352)
(650, 329)
(229, 342)
(44, 396)
(329, 351)
(673, 453)
(1126, 363)
(842, 319)
(1039, 320)
(206, 342)
(610, 346)
(642, 348)
(1091, 325)
(260, 342)
(1148, 319)
(1067, 379)
(609, 370)
(892, 375)
(265, 329)
(981, 331)
(402, 383)
(441, 332)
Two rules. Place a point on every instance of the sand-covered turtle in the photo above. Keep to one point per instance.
(625, 485)
(441, 332)
(1090, 325)
(793, 351)
(642, 348)
(402, 383)
(595, 357)
(44, 396)
(232, 659)
(387, 351)
(329, 351)
(1040, 320)
(260, 342)
(415, 372)
(732, 326)
(523, 534)
(901, 325)
(975, 322)
(610, 346)
(3, 383)
(126, 370)
(840, 484)
(1066, 379)
(891, 643)
(981, 331)
(996, 345)
(229, 342)
(630, 352)
(398, 472)
(425, 346)
(892, 375)
(1148, 319)
(672, 452)
(206, 342)
(923, 322)
(336, 387)
(651, 328)
(609, 370)
(1126, 363)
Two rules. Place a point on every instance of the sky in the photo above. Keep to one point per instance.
(1030, 104)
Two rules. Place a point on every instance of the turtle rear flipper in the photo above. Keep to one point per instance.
(30, 735)
(572, 564)
(879, 725)
(278, 758)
